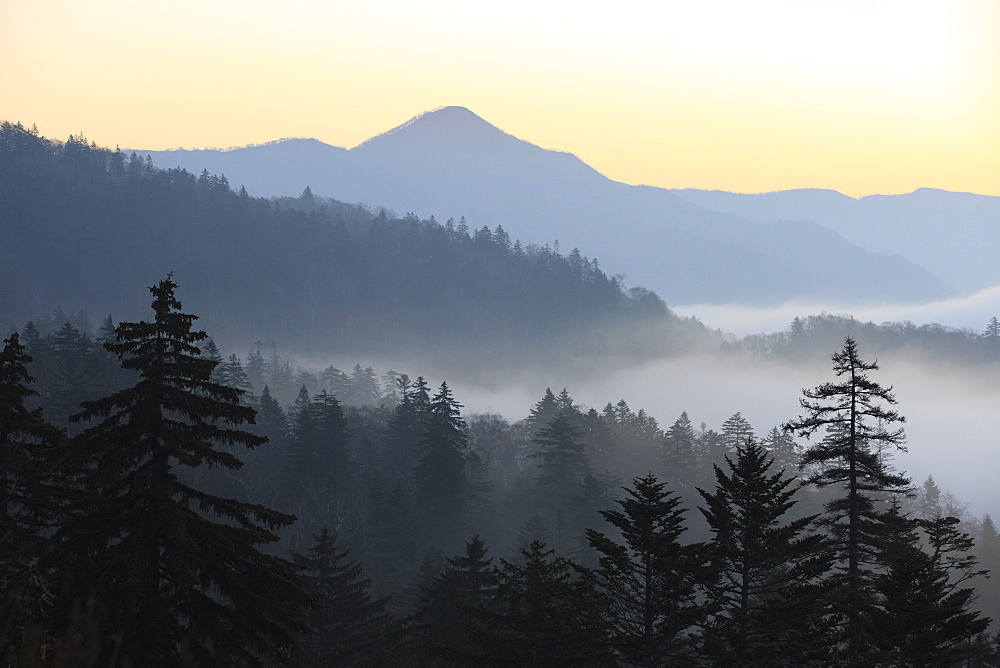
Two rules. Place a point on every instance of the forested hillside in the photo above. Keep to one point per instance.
(189, 517)
(927, 344)
(83, 225)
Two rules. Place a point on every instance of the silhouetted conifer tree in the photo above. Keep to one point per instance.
(735, 432)
(710, 448)
(649, 577)
(679, 462)
(442, 616)
(850, 458)
(332, 435)
(766, 568)
(925, 616)
(544, 410)
(364, 387)
(346, 625)
(548, 612)
(440, 474)
(602, 447)
(232, 374)
(302, 462)
(256, 366)
(405, 429)
(170, 566)
(561, 468)
(26, 499)
(928, 501)
(535, 529)
(782, 448)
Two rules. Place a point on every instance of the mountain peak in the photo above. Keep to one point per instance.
(439, 128)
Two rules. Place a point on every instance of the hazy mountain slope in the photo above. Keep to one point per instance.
(954, 235)
(86, 228)
(451, 163)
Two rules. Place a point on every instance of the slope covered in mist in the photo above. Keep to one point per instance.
(450, 162)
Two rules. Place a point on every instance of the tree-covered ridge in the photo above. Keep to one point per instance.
(810, 336)
(311, 273)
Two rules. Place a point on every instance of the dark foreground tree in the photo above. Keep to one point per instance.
(439, 476)
(346, 624)
(547, 612)
(446, 604)
(26, 442)
(766, 567)
(562, 466)
(171, 568)
(860, 434)
(926, 616)
(649, 578)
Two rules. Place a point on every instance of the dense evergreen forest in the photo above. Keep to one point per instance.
(162, 506)
(82, 225)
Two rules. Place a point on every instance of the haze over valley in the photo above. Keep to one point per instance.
(671, 339)
(450, 158)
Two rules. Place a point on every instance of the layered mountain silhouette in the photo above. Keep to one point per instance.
(452, 163)
(954, 235)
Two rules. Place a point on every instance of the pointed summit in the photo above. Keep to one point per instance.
(443, 130)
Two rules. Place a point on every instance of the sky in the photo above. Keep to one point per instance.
(862, 97)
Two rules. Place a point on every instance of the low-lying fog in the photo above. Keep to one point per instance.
(953, 421)
(968, 312)
(953, 425)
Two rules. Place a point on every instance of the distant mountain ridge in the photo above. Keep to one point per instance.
(954, 235)
(452, 163)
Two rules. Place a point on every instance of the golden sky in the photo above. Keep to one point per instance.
(862, 97)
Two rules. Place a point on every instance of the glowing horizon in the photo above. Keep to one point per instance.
(746, 97)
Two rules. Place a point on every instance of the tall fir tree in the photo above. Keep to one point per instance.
(852, 458)
(440, 479)
(445, 606)
(928, 500)
(301, 464)
(925, 616)
(735, 432)
(332, 436)
(231, 373)
(544, 410)
(649, 577)
(404, 431)
(27, 495)
(347, 626)
(766, 567)
(679, 464)
(782, 448)
(547, 612)
(256, 367)
(562, 467)
(171, 566)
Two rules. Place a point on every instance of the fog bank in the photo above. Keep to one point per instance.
(953, 427)
(968, 312)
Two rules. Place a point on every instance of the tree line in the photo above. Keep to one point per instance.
(163, 531)
(807, 337)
